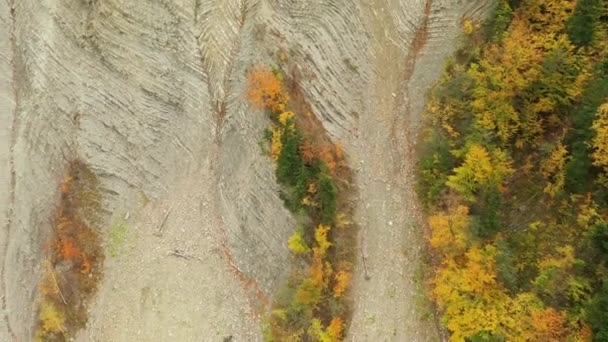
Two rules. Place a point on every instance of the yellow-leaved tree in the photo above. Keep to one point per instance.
(52, 318)
(449, 230)
(342, 279)
(475, 303)
(276, 144)
(480, 169)
(498, 76)
(554, 170)
(600, 142)
(322, 241)
(297, 243)
(332, 333)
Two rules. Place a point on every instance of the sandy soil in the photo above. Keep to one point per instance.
(173, 286)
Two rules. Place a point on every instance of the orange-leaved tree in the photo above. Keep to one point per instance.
(265, 90)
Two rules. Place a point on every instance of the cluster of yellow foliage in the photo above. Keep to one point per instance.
(480, 169)
(51, 318)
(342, 279)
(297, 244)
(333, 332)
(321, 270)
(323, 243)
(285, 117)
(600, 142)
(473, 301)
(449, 233)
(276, 145)
(554, 169)
(513, 64)
(467, 27)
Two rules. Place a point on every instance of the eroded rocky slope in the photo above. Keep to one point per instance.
(150, 95)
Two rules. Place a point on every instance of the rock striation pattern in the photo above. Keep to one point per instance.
(150, 95)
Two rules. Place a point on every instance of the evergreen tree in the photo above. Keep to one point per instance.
(583, 24)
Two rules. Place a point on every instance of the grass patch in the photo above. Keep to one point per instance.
(117, 237)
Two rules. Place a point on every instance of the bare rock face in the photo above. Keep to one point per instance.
(150, 95)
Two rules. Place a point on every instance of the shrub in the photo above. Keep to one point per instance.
(326, 197)
(342, 280)
(276, 145)
(333, 333)
(436, 163)
(65, 291)
(52, 318)
(297, 244)
(290, 162)
(308, 294)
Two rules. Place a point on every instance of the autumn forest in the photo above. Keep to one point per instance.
(514, 176)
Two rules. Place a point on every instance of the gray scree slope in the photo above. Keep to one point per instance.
(150, 94)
